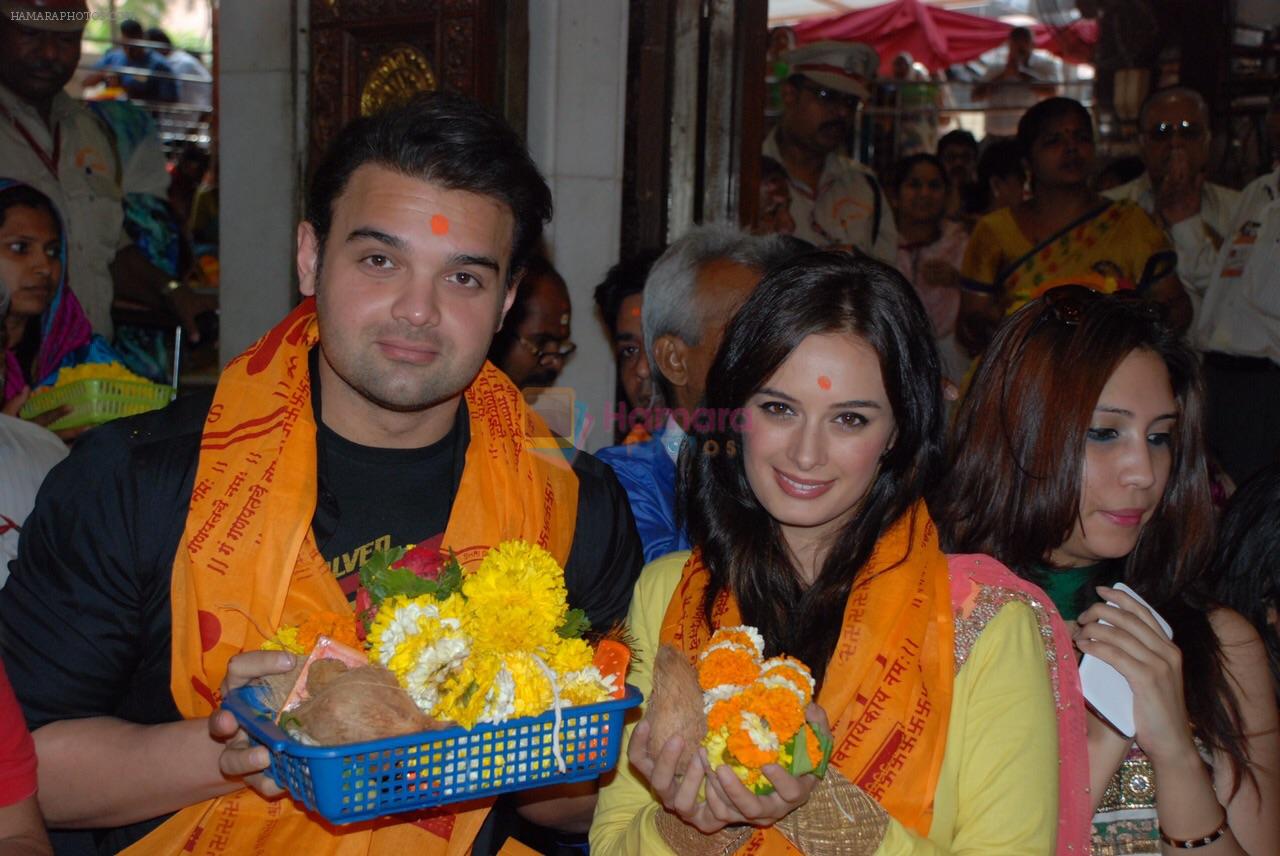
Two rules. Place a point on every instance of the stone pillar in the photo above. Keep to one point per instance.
(577, 107)
(261, 81)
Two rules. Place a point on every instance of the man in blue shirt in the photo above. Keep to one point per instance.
(692, 292)
(129, 54)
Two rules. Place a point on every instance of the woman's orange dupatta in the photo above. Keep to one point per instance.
(249, 563)
(889, 684)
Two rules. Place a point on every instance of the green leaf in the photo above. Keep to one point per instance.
(406, 582)
(575, 624)
(373, 573)
(801, 762)
(450, 579)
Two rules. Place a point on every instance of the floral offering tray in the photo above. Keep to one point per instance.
(360, 781)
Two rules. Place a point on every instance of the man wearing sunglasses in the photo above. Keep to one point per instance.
(1195, 213)
(835, 201)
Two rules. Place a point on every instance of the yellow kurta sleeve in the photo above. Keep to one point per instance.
(998, 789)
(626, 809)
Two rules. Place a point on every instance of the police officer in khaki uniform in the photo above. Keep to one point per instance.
(835, 201)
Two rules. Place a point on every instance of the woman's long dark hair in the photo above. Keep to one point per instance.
(1016, 472)
(1247, 564)
(742, 545)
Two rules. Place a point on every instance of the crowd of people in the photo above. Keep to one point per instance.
(940, 436)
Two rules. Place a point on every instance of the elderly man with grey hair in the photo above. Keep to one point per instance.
(27, 453)
(690, 295)
(1196, 214)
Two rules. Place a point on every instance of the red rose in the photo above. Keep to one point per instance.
(424, 559)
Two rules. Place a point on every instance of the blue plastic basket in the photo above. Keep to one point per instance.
(360, 781)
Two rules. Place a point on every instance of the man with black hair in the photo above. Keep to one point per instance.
(620, 299)
(131, 53)
(958, 151)
(533, 344)
(162, 553)
(198, 92)
(1009, 89)
(835, 200)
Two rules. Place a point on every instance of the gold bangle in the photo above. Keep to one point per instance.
(1195, 843)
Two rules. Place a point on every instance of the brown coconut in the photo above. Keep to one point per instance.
(322, 673)
(354, 705)
(675, 705)
(279, 686)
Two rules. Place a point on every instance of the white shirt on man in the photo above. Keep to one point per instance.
(848, 207)
(1196, 239)
(27, 453)
(190, 92)
(1009, 99)
(1240, 314)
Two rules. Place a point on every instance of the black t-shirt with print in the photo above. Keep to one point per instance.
(371, 499)
(85, 618)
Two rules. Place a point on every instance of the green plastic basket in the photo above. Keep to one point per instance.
(97, 400)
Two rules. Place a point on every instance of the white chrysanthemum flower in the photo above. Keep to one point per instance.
(715, 695)
(774, 681)
(407, 621)
(433, 664)
(723, 645)
(500, 700)
(787, 669)
(588, 685)
(751, 633)
(759, 732)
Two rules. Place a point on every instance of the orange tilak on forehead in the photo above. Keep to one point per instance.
(439, 224)
(824, 382)
(635, 311)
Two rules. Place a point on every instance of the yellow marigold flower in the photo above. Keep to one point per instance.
(286, 639)
(586, 686)
(516, 598)
(569, 655)
(463, 694)
(533, 689)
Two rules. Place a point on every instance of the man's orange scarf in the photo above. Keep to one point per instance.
(248, 563)
(889, 684)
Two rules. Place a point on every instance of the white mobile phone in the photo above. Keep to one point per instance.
(1105, 689)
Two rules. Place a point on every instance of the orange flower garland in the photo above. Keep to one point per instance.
(756, 709)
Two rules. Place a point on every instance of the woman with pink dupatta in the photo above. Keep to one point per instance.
(45, 327)
(1078, 461)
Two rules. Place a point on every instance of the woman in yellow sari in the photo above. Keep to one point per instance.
(1063, 232)
(937, 675)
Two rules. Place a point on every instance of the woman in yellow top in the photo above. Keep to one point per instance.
(936, 675)
(1063, 232)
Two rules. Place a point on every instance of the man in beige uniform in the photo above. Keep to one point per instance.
(835, 201)
(52, 142)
